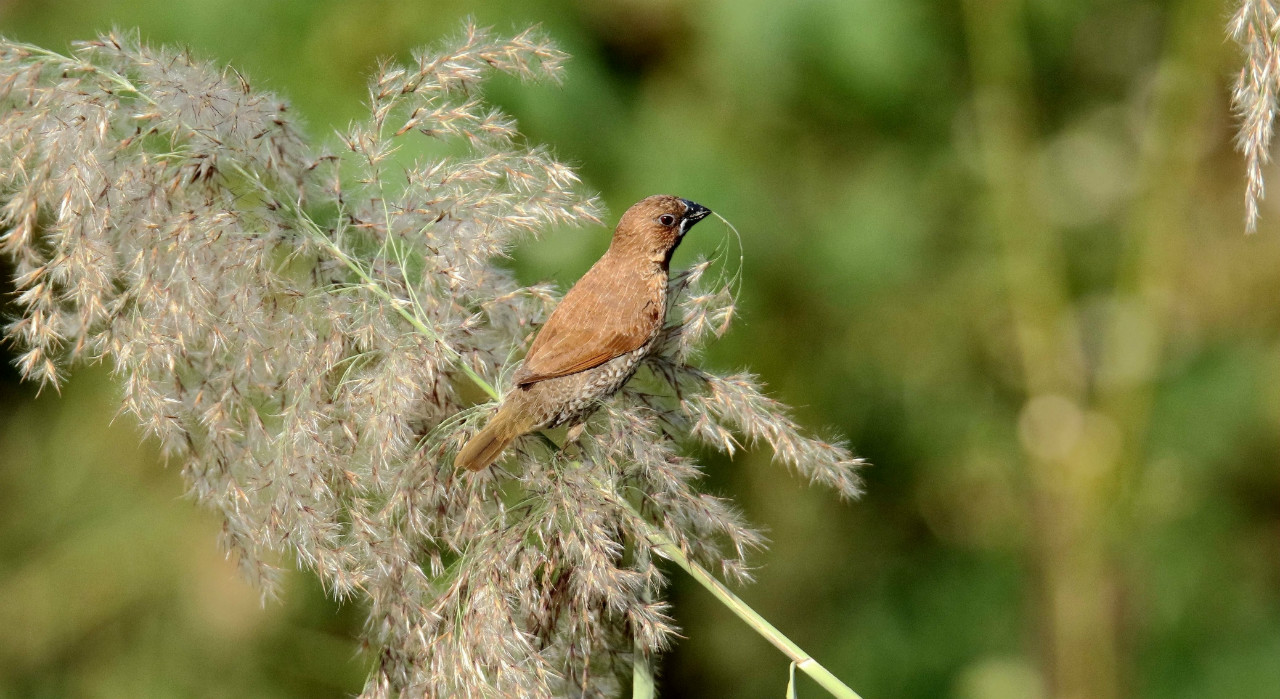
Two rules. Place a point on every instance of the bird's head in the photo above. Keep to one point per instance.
(655, 225)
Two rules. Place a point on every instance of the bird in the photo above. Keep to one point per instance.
(597, 336)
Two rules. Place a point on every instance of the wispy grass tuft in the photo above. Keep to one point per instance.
(1255, 26)
(298, 328)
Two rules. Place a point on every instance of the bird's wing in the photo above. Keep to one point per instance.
(601, 318)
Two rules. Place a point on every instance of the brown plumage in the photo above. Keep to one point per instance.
(598, 335)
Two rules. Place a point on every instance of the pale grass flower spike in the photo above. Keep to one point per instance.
(1255, 26)
(299, 329)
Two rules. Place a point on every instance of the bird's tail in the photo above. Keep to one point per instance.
(487, 445)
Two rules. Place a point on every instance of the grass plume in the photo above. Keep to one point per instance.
(1255, 26)
(296, 328)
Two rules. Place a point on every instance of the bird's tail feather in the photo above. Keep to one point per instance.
(488, 444)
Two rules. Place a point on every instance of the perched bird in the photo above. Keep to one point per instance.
(598, 335)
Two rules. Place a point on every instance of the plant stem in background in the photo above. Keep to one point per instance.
(1081, 488)
(1080, 650)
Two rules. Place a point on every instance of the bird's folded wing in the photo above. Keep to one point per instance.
(588, 329)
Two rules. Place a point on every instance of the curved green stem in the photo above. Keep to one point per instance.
(798, 656)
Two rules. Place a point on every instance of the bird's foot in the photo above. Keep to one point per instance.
(571, 448)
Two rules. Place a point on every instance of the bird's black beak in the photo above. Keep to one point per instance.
(693, 213)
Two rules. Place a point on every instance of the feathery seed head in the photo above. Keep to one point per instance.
(296, 327)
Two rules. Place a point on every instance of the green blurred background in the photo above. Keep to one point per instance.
(998, 244)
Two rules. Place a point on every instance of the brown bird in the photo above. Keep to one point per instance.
(598, 335)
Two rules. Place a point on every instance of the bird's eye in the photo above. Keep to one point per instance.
(667, 219)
